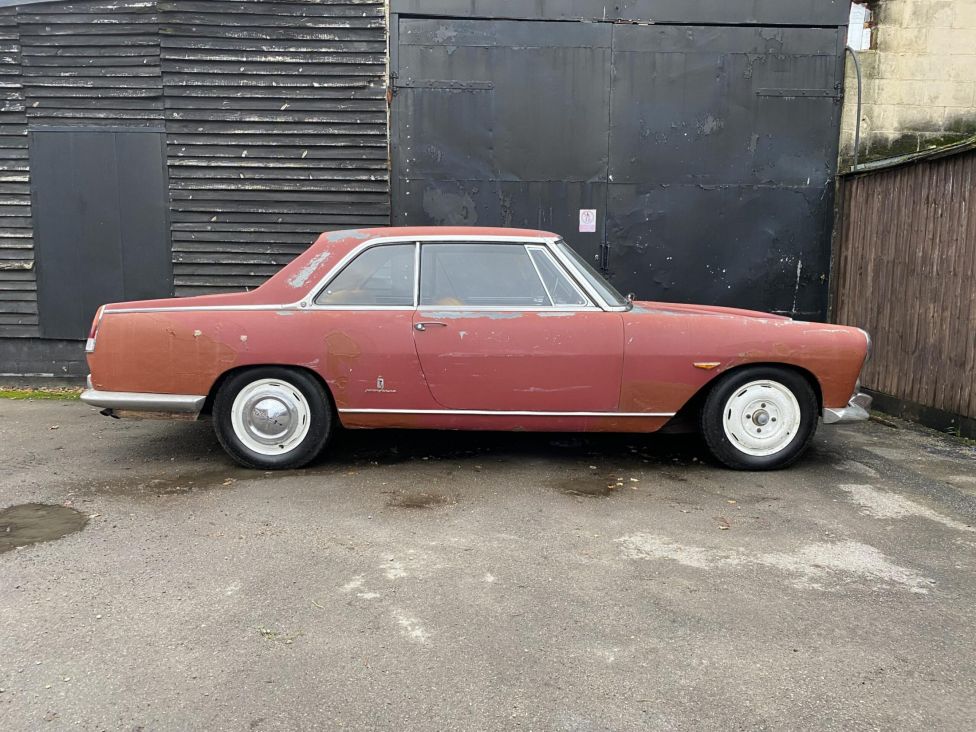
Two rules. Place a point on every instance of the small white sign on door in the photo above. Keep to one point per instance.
(587, 220)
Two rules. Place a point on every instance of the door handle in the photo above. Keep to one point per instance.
(429, 324)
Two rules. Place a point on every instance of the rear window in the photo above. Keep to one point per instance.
(380, 276)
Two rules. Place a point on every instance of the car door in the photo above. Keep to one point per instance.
(364, 318)
(502, 327)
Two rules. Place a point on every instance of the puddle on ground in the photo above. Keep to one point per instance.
(31, 523)
(420, 499)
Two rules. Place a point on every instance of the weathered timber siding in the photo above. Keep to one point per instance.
(276, 129)
(274, 114)
(906, 272)
(18, 286)
(91, 63)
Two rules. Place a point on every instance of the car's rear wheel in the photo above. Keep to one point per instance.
(273, 418)
(759, 418)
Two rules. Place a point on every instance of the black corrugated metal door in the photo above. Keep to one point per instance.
(708, 152)
(723, 149)
(502, 123)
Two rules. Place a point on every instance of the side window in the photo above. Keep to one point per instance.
(479, 275)
(382, 275)
(560, 288)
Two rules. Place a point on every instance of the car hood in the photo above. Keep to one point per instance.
(670, 308)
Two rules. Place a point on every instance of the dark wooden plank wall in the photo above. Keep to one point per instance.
(275, 117)
(906, 272)
(276, 127)
(92, 63)
(18, 288)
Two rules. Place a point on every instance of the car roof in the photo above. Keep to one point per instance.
(453, 231)
(295, 279)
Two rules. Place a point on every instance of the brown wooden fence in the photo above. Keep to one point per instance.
(905, 271)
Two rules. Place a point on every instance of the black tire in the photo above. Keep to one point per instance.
(278, 386)
(734, 452)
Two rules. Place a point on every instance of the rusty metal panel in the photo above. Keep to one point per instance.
(905, 268)
(502, 123)
(723, 144)
(731, 12)
(707, 152)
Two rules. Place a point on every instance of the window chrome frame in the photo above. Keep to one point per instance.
(308, 302)
(546, 242)
(570, 266)
(558, 267)
(525, 242)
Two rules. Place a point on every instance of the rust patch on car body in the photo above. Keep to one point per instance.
(302, 276)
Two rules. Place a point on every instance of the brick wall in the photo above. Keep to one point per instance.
(919, 79)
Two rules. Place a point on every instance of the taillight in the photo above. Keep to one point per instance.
(93, 333)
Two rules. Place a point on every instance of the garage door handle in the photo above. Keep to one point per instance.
(429, 324)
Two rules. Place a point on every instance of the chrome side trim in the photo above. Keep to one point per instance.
(855, 411)
(201, 308)
(501, 413)
(144, 402)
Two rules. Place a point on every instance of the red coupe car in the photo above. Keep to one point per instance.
(474, 329)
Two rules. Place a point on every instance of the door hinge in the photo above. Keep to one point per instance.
(443, 84)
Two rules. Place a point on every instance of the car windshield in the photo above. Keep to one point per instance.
(594, 278)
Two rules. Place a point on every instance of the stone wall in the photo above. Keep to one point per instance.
(919, 79)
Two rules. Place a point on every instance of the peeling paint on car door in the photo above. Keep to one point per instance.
(521, 360)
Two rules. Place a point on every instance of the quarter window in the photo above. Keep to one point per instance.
(479, 275)
(558, 285)
(380, 276)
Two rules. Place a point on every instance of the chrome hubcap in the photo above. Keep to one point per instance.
(761, 418)
(270, 417)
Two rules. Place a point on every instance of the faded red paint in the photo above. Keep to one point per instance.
(640, 361)
(530, 361)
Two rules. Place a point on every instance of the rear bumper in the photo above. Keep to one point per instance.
(128, 401)
(855, 411)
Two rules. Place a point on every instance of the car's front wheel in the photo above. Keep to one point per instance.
(272, 418)
(759, 418)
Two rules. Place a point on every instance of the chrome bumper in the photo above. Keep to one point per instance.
(855, 411)
(128, 401)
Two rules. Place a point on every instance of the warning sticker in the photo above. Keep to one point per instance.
(587, 220)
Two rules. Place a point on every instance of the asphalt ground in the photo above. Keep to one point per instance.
(471, 581)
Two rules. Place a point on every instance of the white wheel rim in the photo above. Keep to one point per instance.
(761, 418)
(270, 417)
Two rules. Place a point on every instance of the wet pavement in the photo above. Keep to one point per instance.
(423, 580)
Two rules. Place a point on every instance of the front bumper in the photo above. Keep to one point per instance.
(128, 401)
(855, 411)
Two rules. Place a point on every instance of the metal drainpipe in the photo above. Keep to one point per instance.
(857, 124)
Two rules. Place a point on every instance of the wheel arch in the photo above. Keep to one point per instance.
(686, 419)
(223, 377)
